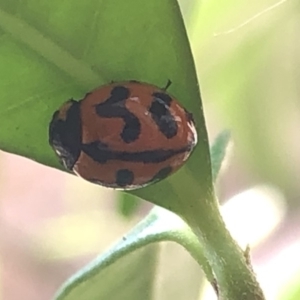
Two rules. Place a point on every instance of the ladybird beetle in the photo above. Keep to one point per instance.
(123, 135)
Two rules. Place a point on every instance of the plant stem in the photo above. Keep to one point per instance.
(235, 278)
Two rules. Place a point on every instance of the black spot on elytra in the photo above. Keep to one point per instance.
(131, 129)
(102, 154)
(162, 174)
(118, 94)
(65, 135)
(114, 107)
(163, 97)
(98, 151)
(160, 111)
(124, 177)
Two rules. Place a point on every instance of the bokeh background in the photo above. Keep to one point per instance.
(247, 58)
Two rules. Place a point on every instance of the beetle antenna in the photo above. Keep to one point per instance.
(167, 85)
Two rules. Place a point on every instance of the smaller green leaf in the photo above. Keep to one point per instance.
(127, 204)
(218, 152)
(106, 278)
(116, 274)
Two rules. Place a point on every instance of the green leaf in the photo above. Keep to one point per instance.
(218, 152)
(128, 270)
(52, 51)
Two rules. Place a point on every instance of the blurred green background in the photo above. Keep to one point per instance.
(247, 58)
